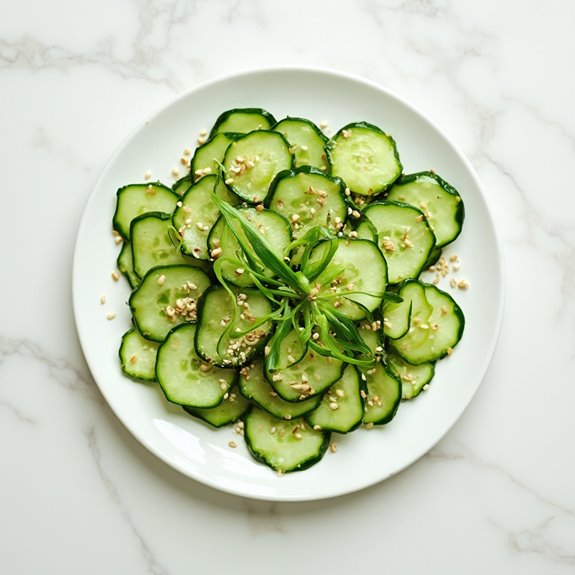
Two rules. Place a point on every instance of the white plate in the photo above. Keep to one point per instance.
(364, 457)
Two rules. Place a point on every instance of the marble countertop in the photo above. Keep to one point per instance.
(78, 494)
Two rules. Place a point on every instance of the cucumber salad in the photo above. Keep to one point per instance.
(277, 287)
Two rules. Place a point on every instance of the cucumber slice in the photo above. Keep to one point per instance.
(341, 407)
(404, 238)
(125, 264)
(219, 317)
(255, 387)
(435, 332)
(184, 378)
(433, 257)
(273, 226)
(137, 199)
(301, 372)
(181, 186)
(208, 157)
(383, 394)
(152, 243)
(365, 158)
(242, 121)
(438, 200)
(167, 296)
(306, 141)
(396, 318)
(356, 273)
(414, 300)
(232, 408)
(283, 445)
(197, 213)
(413, 378)
(138, 356)
(308, 198)
(252, 162)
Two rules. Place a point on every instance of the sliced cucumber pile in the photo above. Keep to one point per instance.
(277, 286)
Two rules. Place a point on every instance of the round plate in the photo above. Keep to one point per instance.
(364, 457)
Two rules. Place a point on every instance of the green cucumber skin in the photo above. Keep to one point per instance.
(125, 368)
(234, 189)
(133, 296)
(262, 458)
(301, 170)
(424, 222)
(396, 344)
(323, 139)
(124, 228)
(447, 187)
(224, 413)
(367, 125)
(362, 388)
(256, 111)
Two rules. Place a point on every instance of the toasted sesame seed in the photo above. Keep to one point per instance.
(216, 253)
(232, 444)
(333, 447)
(463, 284)
(111, 315)
(134, 358)
(103, 299)
(115, 276)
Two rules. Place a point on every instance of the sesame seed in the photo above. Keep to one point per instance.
(463, 284)
(103, 299)
(333, 447)
(298, 435)
(111, 315)
(229, 181)
(134, 358)
(232, 444)
(334, 405)
(115, 276)
(147, 175)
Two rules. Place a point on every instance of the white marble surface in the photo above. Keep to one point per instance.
(79, 495)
